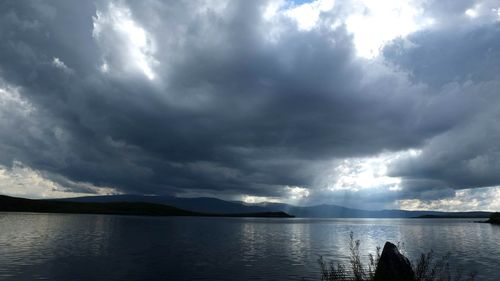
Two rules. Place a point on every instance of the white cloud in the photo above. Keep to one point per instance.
(20, 180)
(307, 14)
(296, 193)
(472, 13)
(374, 23)
(355, 174)
(58, 63)
(292, 195)
(104, 67)
(250, 199)
(479, 199)
(125, 41)
(10, 100)
(483, 12)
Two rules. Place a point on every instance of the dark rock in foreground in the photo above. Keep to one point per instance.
(393, 266)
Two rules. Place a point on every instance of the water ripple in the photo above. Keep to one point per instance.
(96, 247)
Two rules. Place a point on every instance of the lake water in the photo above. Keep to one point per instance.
(102, 247)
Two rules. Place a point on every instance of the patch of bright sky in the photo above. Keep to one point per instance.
(472, 13)
(104, 67)
(355, 174)
(138, 43)
(293, 195)
(372, 23)
(296, 193)
(250, 199)
(478, 199)
(307, 14)
(349, 175)
(20, 180)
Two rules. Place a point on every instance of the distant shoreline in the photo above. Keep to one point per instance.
(218, 206)
(494, 218)
(15, 204)
(447, 217)
(208, 207)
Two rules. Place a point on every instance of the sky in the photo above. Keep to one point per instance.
(368, 104)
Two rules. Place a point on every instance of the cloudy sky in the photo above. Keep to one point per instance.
(372, 104)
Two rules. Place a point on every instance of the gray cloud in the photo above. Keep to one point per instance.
(462, 64)
(182, 97)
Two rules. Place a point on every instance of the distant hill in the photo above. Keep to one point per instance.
(200, 204)
(14, 204)
(334, 211)
(213, 205)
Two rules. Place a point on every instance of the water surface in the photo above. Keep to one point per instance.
(103, 247)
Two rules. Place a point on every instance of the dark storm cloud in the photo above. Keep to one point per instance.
(238, 104)
(441, 57)
(463, 61)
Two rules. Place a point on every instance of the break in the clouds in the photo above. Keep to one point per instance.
(390, 104)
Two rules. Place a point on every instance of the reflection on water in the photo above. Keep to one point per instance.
(98, 247)
(35, 240)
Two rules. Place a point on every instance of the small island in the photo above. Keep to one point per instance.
(14, 204)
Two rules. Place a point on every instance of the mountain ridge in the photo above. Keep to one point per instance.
(16, 204)
(215, 205)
